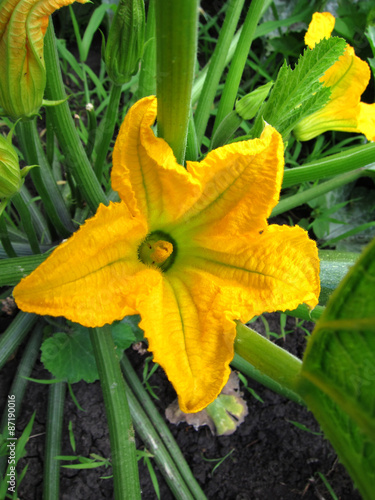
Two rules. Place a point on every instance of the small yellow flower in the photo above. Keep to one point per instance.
(190, 250)
(347, 79)
(23, 24)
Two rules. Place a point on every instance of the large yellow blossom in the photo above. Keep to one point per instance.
(347, 79)
(23, 24)
(190, 250)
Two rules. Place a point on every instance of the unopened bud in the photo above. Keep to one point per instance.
(10, 172)
(248, 106)
(125, 41)
(23, 25)
(11, 176)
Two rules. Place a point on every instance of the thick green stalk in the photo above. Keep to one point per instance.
(121, 433)
(309, 194)
(357, 157)
(176, 46)
(25, 216)
(237, 66)
(42, 177)
(55, 416)
(75, 155)
(15, 334)
(270, 359)
(161, 427)
(147, 74)
(248, 369)
(155, 446)
(106, 128)
(216, 67)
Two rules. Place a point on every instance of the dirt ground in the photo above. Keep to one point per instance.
(271, 457)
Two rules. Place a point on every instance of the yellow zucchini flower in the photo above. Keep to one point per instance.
(189, 249)
(23, 24)
(347, 79)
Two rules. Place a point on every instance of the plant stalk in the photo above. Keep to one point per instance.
(216, 67)
(75, 155)
(270, 359)
(237, 66)
(121, 432)
(55, 416)
(176, 46)
(106, 128)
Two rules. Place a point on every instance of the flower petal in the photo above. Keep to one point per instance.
(366, 120)
(321, 26)
(145, 172)
(95, 277)
(240, 185)
(348, 79)
(190, 334)
(276, 271)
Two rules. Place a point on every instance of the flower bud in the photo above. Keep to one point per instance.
(23, 24)
(11, 179)
(248, 106)
(125, 41)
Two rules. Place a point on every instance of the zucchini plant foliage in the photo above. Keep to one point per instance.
(338, 371)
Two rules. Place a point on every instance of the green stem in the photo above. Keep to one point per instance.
(5, 240)
(147, 74)
(38, 219)
(260, 31)
(357, 157)
(216, 67)
(55, 416)
(64, 127)
(106, 129)
(25, 216)
(19, 384)
(303, 312)
(43, 179)
(270, 359)
(334, 265)
(155, 446)
(13, 270)
(248, 369)
(121, 433)
(22, 249)
(15, 334)
(176, 44)
(309, 194)
(162, 429)
(237, 66)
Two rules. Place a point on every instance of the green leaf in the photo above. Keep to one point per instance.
(297, 92)
(338, 371)
(70, 356)
(123, 335)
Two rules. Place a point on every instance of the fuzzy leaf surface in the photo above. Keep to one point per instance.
(338, 371)
(298, 92)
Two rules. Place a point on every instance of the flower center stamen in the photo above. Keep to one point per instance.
(156, 251)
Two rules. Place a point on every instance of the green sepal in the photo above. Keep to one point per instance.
(47, 103)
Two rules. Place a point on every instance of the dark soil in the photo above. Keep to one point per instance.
(271, 458)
